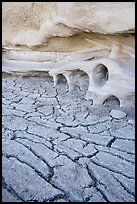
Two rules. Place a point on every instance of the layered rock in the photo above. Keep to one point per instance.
(60, 37)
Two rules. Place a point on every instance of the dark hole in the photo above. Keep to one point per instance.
(100, 75)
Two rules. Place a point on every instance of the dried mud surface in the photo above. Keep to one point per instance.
(58, 147)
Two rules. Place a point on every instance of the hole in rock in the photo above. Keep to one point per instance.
(100, 75)
(112, 101)
(62, 79)
(81, 79)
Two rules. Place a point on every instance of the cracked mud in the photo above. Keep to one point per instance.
(58, 147)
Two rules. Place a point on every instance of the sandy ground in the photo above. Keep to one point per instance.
(56, 146)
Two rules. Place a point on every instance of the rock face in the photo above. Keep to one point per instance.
(33, 23)
(62, 37)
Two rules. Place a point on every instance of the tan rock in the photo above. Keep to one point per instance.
(33, 23)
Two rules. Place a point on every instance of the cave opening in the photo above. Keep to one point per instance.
(100, 75)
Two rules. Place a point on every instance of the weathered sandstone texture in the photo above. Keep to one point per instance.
(64, 37)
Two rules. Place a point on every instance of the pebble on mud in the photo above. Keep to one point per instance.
(132, 122)
(118, 114)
